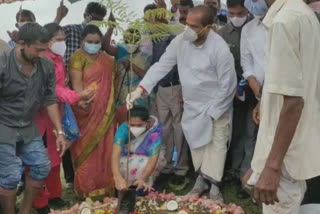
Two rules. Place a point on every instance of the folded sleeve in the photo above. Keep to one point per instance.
(76, 62)
(246, 56)
(50, 96)
(284, 69)
(121, 137)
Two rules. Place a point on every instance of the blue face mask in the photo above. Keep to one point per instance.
(92, 48)
(258, 8)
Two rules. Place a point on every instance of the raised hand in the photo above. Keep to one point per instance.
(160, 4)
(62, 12)
(13, 35)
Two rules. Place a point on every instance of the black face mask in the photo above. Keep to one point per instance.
(33, 60)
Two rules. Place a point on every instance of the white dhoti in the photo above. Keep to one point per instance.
(290, 194)
(210, 159)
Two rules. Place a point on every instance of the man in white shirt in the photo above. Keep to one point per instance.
(243, 128)
(208, 80)
(287, 149)
(253, 46)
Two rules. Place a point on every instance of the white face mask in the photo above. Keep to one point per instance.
(59, 48)
(137, 131)
(132, 49)
(238, 21)
(190, 35)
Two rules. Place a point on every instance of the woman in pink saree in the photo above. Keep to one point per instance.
(91, 153)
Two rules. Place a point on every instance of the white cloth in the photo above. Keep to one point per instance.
(253, 46)
(210, 159)
(290, 194)
(208, 81)
(310, 209)
(293, 69)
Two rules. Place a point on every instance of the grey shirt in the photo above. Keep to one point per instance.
(21, 97)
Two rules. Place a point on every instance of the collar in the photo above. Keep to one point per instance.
(273, 11)
(315, 6)
(230, 27)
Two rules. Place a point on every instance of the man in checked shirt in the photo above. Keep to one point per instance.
(93, 12)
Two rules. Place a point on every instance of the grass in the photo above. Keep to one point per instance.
(229, 194)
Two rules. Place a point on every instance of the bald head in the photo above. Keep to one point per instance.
(203, 14)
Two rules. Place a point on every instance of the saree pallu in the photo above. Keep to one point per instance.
(91, 153)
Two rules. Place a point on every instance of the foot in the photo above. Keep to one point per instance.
(215, 194)
(179, 182)
(69, 185)
(242, 194)
(200, 187)
(21, 188)
(57, 203)
(44, 210)
(231, 178)
(163, 178)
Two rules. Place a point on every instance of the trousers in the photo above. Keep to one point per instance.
(170, 114)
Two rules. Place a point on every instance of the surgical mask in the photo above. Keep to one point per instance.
(238, 21)
(258, 8)
(190, 35)
(137, 131)
(59, 48)
(132, 49)
(92, 48)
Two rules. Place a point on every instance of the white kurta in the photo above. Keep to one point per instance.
(208, 81)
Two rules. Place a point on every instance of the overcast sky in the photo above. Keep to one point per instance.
(45, 11)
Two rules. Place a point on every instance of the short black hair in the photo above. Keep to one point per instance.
(149, 7)
(90, 29)
(31, 33)
(207, 15)
(53, 29)
(234, 3)
(141, 112)
(97, 8)
(25, 13)
(187, 3)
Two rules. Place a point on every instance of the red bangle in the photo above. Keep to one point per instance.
(143, 89)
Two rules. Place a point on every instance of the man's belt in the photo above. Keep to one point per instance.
(170, 84)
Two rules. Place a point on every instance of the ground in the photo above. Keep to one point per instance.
(229, 193)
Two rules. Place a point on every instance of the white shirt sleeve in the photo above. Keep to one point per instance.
(227, 79)
(246, 56)
(161, 68)
(284, 69)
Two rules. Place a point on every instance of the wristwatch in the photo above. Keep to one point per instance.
(61, 133)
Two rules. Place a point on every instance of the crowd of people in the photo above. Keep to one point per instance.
(234, 98)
